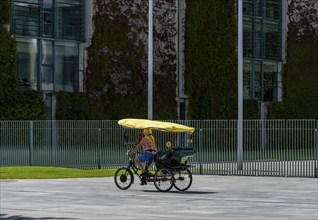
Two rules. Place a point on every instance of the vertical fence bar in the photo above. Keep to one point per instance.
(30, 143)
(297, 160)
(99, 154)
(200, 144)
(287, 152)
(316, 150)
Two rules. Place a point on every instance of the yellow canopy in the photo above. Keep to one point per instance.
(155, 125)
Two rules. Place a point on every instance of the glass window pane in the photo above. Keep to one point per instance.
(27, 63)
(252, 8)
(47, 65)
(37, 18)
(48, 5)
(48, 24)
(258, 8)
(26, 18)
(47, 78)
(71, 19)
(248, 38)
(67, 67)
(273, 9)
(273, 40)
(47, 52)
(248, 7)
(258, 36)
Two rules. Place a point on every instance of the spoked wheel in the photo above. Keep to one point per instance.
(163, 180)
(182, 180)
(123, 178)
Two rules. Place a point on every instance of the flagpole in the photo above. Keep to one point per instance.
(240, 87)
(150, 60)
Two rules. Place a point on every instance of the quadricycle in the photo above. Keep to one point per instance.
(171, 164)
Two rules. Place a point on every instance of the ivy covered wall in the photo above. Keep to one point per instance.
(7, 64)
(14, 104)
(116, 76)
(300, 75)
(211, 60)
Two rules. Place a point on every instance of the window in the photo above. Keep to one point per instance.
(248, 39)
(48, 34)
(262, 29)
(259, 79)
(273, 41)
(37, 18)
(47, 65)
(262, 47)
(258, 38)
(67, 67)
(48, 18)
(27, 62)
(71, 19)
(273, 9)
(26, 16)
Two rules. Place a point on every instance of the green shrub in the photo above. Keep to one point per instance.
(71, 106)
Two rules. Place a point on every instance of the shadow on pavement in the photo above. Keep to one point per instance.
(183, 192)
(20, 217)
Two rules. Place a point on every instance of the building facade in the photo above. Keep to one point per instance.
(50, 36)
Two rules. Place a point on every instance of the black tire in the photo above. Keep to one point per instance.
(163, 180)
(182, 180)
(123, 178)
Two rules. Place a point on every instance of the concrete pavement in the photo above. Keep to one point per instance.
(209, 197)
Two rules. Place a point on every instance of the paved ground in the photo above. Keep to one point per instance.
(210, 197)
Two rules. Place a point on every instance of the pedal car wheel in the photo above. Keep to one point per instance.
(182, 180)
(163, 180)
(123, 178)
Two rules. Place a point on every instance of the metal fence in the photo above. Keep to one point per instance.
(270, 147)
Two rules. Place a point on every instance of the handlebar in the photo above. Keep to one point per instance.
(129, 151)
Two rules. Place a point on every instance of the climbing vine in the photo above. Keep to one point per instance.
(211, 61)
(116, 76)
(300, 78)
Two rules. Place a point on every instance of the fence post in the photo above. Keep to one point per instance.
(200, 145)
(99, 148)
(30, 143)
(316, 146)
(240, 145)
